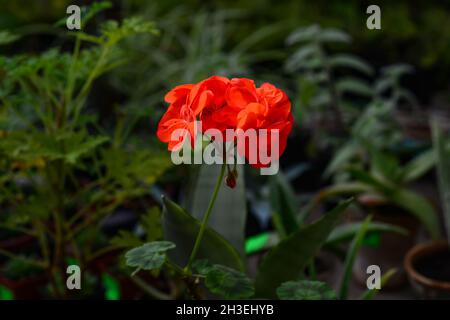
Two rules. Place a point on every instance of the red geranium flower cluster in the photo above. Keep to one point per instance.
(220, 103)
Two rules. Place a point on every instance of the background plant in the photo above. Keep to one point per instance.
(61, 173)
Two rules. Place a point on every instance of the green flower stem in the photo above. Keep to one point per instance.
(198, 240)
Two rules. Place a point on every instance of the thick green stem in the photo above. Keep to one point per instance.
(199, 238)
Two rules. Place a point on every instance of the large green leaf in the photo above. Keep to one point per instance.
(182, 229)
(287, 260)
(418, 206)
(284, 204)
(229, 213)
(305, 290)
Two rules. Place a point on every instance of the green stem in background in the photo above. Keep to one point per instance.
(312, 269)
(96, 71)
(71, 77)
(199, 238)
(12, 256)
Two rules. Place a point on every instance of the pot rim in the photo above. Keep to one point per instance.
(419, 251)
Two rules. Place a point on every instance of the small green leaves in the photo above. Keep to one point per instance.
(305, 290)
(149, 256)
(228, 283)
(113, 32)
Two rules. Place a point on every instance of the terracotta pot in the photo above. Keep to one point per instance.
(390, 251)
(420, 264)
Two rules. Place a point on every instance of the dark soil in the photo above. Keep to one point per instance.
(435, 266)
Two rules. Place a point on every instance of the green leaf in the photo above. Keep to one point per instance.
(351, 61)
(418, 206)
(300, 56)
(384, 166)
(125, 239)
(113, 32)
(371, 293)
(349, 230)
(66, 146)
(383, 84)
(229, 214)
(354, 86)
(79, 146)
(228, 283)
(7, 37)
(303, 34)
(371, 180)
(333, 35)
(305, 290)
(350, 258)
(127, 167)
(149, 256)
(343, 189)
(287, 260)
(418, 166)
(182, 229)
(397, 70)
(151, 223)
(341, 158)
(201, 266)
(315, 33)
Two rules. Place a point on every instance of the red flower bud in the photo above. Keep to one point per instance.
(231, 179)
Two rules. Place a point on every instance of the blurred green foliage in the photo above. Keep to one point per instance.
(61, 172)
